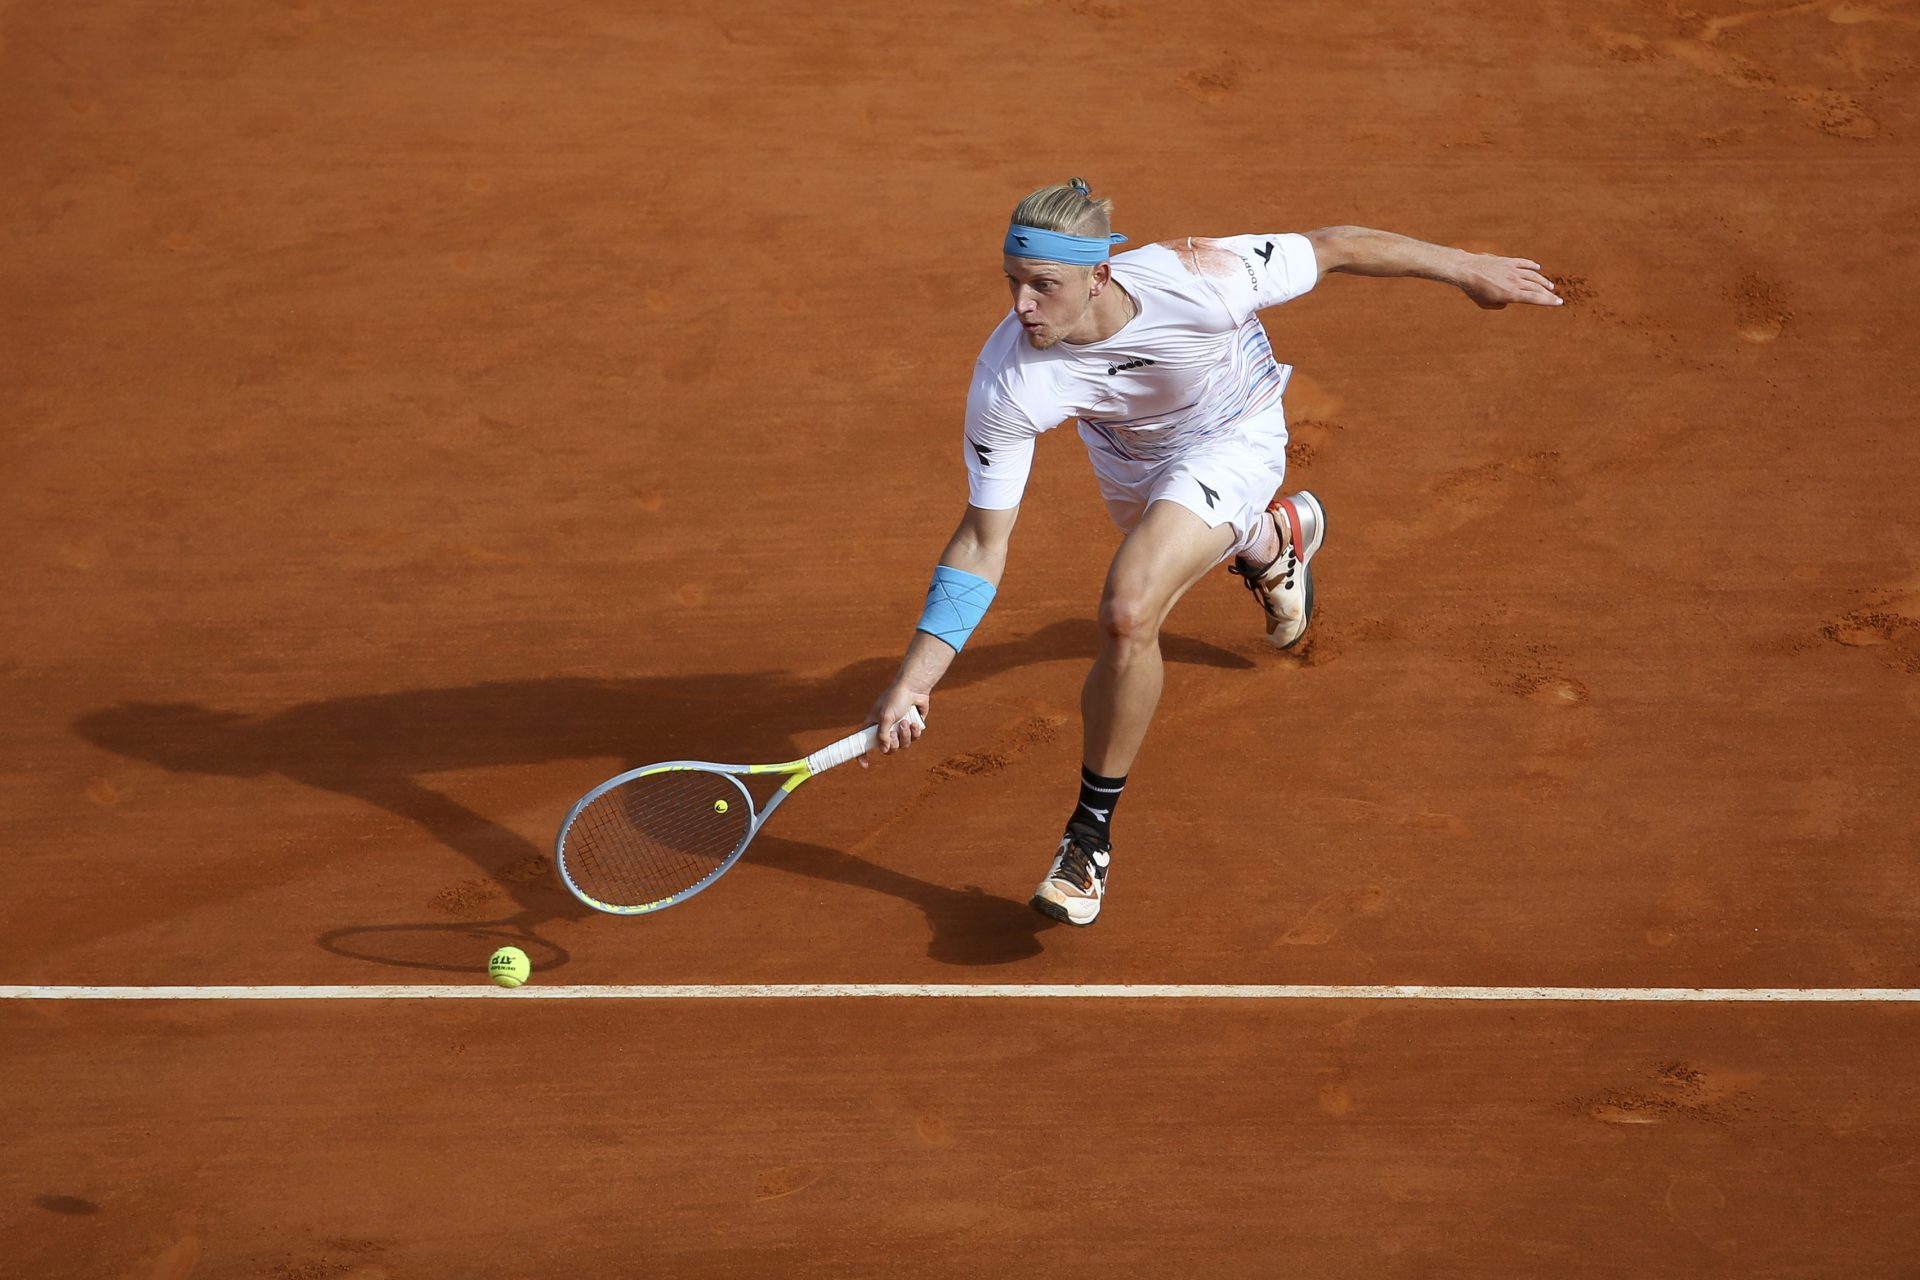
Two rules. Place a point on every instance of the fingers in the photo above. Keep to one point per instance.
(1537, 288)
(909, 729)
(1535, 285)
(1505, 280)
(899, 730)
(1519, 281)
(1540, 293)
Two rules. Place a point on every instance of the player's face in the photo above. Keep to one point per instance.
(1051, 298)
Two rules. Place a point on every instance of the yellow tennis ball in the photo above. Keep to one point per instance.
(719, 806)
(509, 966)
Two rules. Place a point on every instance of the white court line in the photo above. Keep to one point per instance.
(990, 991)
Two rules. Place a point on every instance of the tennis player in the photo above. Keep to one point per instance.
(1160, 355)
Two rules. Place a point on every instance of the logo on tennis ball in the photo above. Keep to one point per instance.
(509, 966)
(719, 806)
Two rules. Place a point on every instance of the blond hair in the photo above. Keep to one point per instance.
(1068, 207)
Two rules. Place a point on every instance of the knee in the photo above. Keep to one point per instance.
(1128, 619)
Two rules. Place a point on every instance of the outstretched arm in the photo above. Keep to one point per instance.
(1488, 279)
(978, 547)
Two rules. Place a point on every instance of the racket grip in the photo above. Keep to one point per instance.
(855, 745)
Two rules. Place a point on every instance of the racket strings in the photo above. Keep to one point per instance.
(655, 836)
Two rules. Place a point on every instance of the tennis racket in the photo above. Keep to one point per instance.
(657, 835)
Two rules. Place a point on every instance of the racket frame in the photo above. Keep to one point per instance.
(851, 747)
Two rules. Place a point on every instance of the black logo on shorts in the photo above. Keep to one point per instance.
(983, 451)
(1265, 255)
(1211, 493)
(1113, 369)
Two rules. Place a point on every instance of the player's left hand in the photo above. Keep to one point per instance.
(1492, 282)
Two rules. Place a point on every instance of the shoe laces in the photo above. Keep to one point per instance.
(1076, 860)
(1255, 579)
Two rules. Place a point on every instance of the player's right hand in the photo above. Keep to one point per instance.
(890, 713)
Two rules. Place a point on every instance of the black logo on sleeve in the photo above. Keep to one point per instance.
(1265, 255)
(1211, 493)
(1113, 369)
(983, 451)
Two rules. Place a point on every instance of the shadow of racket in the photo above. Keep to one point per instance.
(457, 946)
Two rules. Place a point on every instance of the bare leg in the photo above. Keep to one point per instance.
(1166, 553)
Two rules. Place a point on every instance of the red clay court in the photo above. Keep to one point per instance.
(411, 415)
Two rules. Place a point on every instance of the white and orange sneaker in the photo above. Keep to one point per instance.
(1285, 588)
(1077, 880)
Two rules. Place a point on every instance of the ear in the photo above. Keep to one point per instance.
(1102, 273)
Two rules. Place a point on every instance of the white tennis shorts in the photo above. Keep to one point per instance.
(1226, 481)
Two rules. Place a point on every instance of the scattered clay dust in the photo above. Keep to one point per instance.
(1031, 732)
(1761, 312)
(468, 895)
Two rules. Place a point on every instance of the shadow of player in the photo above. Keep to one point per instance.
(968, 926)
(376, 748)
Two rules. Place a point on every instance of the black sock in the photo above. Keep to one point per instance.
(1098, 798)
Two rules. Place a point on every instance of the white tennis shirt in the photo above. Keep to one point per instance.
(1190, 367)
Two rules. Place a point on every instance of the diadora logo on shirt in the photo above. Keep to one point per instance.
(1212, 494)
(1113, 369)
(984, 451)
(1265, 255)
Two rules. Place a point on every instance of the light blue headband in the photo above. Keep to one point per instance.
(1056, 246)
